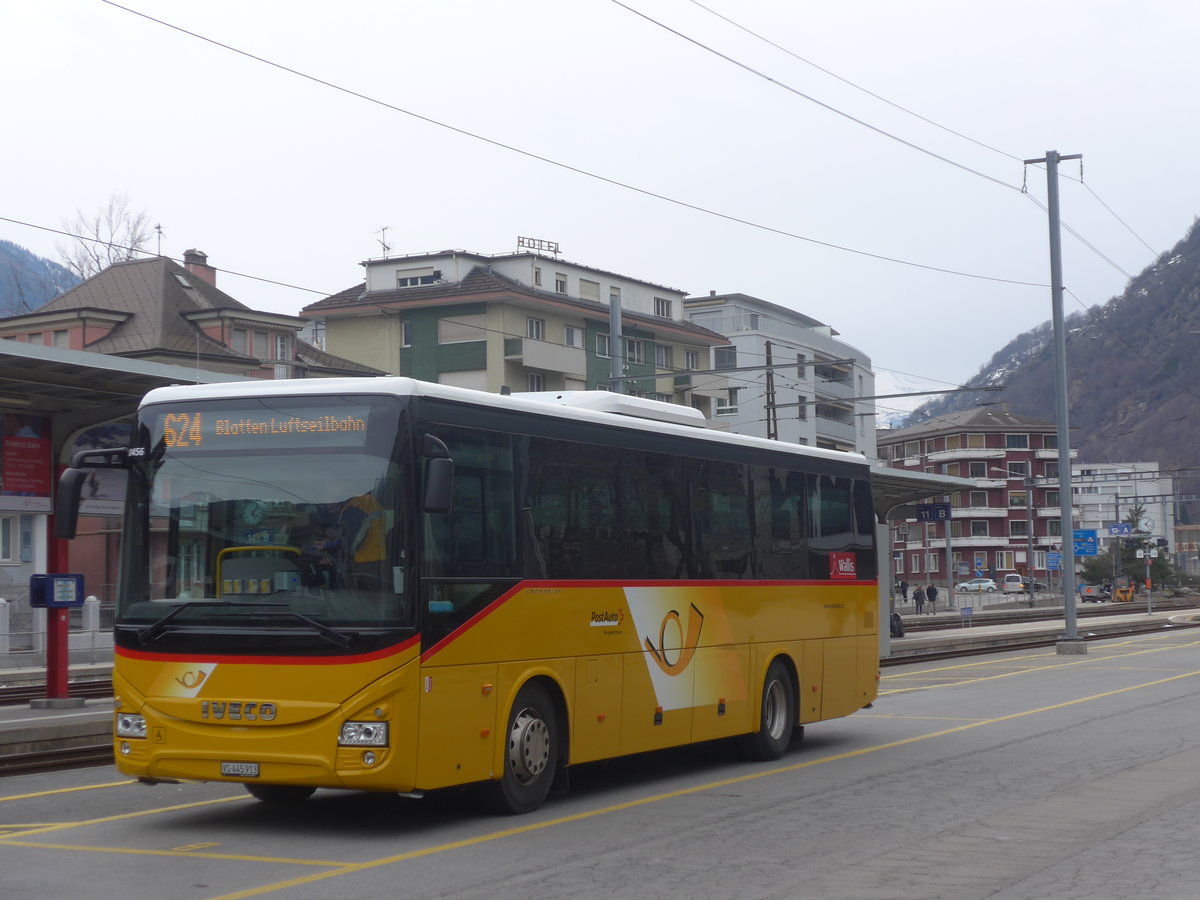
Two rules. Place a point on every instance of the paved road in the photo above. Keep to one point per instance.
(1018, 776)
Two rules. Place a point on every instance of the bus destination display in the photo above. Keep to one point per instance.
(182, 430)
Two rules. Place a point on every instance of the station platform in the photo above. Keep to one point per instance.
(26, 730)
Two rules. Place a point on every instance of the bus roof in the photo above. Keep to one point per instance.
(573, 405)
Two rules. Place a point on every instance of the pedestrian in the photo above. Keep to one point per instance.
(931, 597)
(904, 590)
(919, 598)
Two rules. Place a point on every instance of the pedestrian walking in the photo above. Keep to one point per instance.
(904, 590)
(919, 598)
(931, 593)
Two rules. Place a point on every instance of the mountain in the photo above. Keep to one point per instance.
(1133, 369)
(27, 281)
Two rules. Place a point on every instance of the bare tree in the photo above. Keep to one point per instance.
(114, 234)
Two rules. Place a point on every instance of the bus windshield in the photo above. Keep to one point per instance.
(271, 524)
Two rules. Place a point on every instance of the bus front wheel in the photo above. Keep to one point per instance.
(530, 755)
(776, 717)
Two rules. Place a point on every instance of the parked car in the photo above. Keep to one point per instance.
(976, 585)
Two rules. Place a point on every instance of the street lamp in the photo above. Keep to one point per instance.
(1027, 480)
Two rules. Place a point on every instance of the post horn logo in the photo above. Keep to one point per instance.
(192, 680)
(684, 654)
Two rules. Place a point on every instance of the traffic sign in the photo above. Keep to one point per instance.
(1054, 561)
(1084, 540)
(1120, 529)
(933, 512)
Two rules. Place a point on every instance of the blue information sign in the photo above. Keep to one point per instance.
(1121, 529)
(1054, 561)
(933, 512)
(1085, 542)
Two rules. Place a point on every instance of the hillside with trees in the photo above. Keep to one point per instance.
(28, 281)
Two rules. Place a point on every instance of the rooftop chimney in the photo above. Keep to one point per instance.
(196, 262)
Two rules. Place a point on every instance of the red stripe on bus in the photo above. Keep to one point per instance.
(526, 585)
(395, 650)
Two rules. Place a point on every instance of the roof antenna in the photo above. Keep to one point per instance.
(382, 232)
(158, 228)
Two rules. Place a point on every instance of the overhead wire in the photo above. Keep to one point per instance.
(646, 192)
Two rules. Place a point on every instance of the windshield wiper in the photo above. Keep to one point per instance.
(157, 627)
(332, 635)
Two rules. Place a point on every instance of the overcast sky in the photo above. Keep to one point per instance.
(279, 176)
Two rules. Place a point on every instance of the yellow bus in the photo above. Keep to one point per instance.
(388, 585)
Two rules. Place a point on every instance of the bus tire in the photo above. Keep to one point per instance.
(776, 716)
(280, 794)
(531, 752)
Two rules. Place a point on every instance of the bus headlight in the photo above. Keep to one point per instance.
(130, 725)
(364, 734)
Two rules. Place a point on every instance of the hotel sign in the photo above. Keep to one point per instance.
(537, 244)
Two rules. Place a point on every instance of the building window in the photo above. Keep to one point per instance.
(691, 360)
(1018, 499)
(662, 356)
(979, 528)
(1050, 441)
(62, 339)
(406, 334)
(8, 539)
(976, 442)
(664, 398)
(237, 340)
(282, 347)
(560, 282)
(462, 329)
(912, 449)
(1051, 470)
(537, 276)
(898, 562)
(1005, 559)
(535, 381)
(572, 336)
(725, 357)
(535, 328)
(1018, 469)
(603, 345)
(35, 337)
(915, 563)
(801, 407)
(933, 562)
(1054, 527)
(1018, 528)
(1052, 498)
(260, 345)
(406, 278)
(635, 351)
(977, 470)
(728, 406)
(589, 290)
(979, 499)
(1016, 441)
(662, 307)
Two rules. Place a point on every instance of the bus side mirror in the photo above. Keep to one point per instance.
(70, 485)
(439, 485)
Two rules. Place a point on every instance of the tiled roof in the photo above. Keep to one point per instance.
(981, 418)
(481, 282)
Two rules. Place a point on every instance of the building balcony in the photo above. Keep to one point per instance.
(966, 453)
(1052, 454)
(979, 512)
(548, 357)
(834, 430)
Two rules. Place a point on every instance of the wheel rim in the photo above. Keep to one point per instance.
(528, 746)
(775, 710)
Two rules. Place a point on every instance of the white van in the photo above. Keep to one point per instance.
(1012, 583)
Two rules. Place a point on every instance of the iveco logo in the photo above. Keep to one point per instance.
(238, 710)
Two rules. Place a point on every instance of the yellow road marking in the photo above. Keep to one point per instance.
(70, 790)
(683, 792)
(133, 851)
(133, 815)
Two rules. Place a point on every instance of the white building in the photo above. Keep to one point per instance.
(814, 399)
(1106, 493)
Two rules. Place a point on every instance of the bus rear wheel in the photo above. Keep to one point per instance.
(280, 794)
(776, 716)
(530, 755)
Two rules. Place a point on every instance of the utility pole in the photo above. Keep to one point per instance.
(1070, 643)
(772, 413)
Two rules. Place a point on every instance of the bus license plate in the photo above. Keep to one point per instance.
(240, 769)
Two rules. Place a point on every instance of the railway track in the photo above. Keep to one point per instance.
(16, 695)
